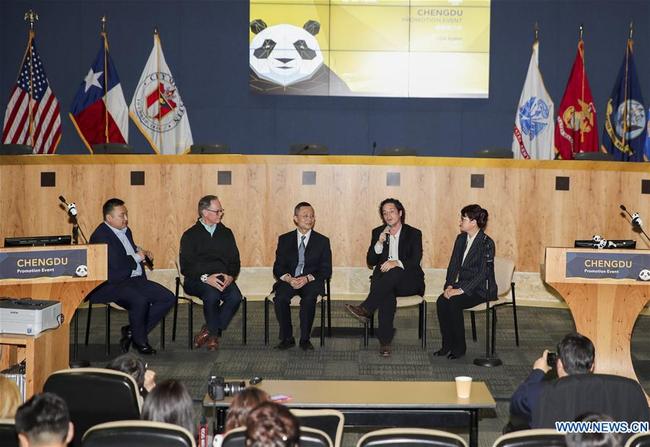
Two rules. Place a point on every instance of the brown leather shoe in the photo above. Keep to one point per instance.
(202, 337)
(213, 343)
(358, 312)
(384, 351)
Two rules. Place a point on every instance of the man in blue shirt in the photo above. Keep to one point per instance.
(127, 286)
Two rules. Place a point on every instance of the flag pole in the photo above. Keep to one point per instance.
(582, 80)
(104, 35)
(156, 34)
(626, 88)
(536, 31)
(31, 17)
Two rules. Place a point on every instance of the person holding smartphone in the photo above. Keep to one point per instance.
(209, 260)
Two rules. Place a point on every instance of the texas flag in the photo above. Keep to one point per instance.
(99, 110)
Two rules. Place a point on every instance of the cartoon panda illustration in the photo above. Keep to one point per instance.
(287, 59)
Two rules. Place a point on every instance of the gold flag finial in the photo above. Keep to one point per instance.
(31, 17)
(631, 29)
(102, 21)
(155, 30)
(536, 30)
(581, 30)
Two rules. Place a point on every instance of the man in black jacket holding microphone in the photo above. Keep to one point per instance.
(395, 253)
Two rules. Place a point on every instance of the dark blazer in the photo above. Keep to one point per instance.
(473, 272)
(120, 265)
(318, 257)
(567, 398)
(410, 251)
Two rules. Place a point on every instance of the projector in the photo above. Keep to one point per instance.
(28, 316)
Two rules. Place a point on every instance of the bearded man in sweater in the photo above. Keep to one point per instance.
(210, 262)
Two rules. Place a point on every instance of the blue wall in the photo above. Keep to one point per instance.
(205, 43)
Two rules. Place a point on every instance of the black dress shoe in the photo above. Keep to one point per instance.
(452, 356)
(306, 345)
(286, 344)
(125, 341)
(359, 313)
(441, 353)
(145, 349)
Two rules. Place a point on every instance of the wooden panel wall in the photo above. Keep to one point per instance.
(526, 212)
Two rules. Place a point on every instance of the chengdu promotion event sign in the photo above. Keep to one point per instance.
(400, 48)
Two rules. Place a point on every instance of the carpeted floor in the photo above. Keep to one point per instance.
(346, 358)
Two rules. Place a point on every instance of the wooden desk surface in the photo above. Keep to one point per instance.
(342, 394)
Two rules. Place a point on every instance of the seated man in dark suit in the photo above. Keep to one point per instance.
(395, 253)
(127, 286)
(209, 260)
(303, 261)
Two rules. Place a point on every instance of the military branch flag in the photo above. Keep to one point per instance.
(99, 110)
(533, 133)
(624, 135)
(157, 108)
(32, 116)
(575, 125)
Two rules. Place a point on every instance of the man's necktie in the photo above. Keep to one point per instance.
(301, 257)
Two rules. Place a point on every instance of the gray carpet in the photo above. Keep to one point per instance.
(346, 358)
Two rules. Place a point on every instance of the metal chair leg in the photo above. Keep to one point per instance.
(365, 335)
(514, 313)
(473, 320)
(494, 327)
(424, 324)
(75, 320)
(162, 332)
(329, 309)
(108, 329)
(90, 308)
(178, 285)
(190, 326)
(322, 321)
(420, 321)
(266, 321)
(244, 304)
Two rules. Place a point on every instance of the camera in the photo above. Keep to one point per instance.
(218, 388)
(551, 359)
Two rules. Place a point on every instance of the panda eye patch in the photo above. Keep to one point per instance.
(265, 50)
(303, 50)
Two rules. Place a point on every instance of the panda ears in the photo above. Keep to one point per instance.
(312, 27)
(257, 26)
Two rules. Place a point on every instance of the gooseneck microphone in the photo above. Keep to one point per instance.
(636, 221)
(71, 207)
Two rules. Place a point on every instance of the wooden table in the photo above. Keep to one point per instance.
(380, 403)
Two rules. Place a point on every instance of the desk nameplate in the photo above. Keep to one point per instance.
(44, 263)
(603, 264)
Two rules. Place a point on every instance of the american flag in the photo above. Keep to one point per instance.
(43, 130)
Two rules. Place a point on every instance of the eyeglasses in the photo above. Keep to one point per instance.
(221, 211)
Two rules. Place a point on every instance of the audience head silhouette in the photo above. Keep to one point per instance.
(575, 355)
(593, 439)
(44, 421)
(169, 402)
(10, 398)
(242, 404)
(272, 425)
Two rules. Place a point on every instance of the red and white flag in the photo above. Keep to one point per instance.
(32, 116)
(576, 125)
(157, 109)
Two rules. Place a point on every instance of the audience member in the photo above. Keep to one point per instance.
(137, 368)
(241, 405)
(44, 421)
(575, 355)
(170, 402)
(591, 439)
(272, 425)
(9, 398)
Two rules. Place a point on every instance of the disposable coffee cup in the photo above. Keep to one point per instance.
(463, 387)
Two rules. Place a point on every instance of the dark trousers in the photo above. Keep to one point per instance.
(452, 322)
(218, 307)
(308, 294)
(146, 301)
(384, 290)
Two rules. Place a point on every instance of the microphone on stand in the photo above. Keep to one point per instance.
(76, 228)
(636, 221)
(490, 358)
